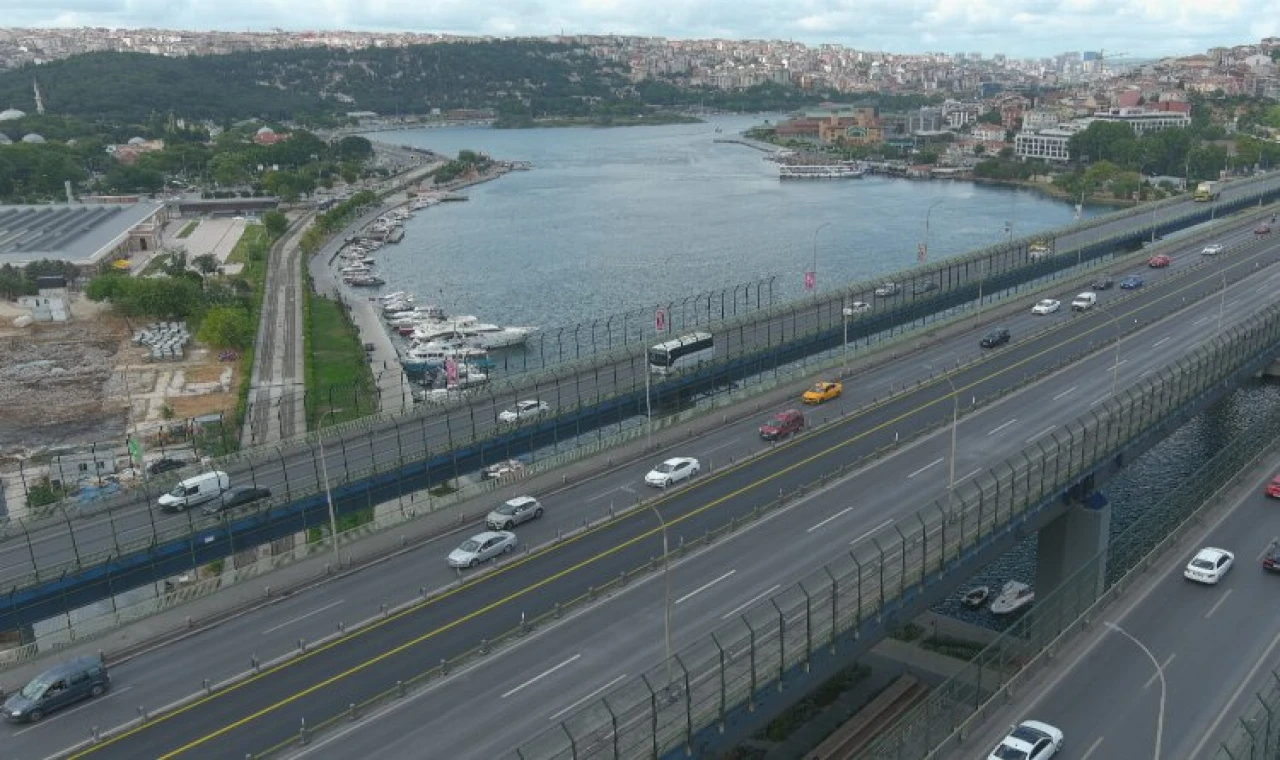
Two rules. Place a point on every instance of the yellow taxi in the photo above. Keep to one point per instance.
(821, 392)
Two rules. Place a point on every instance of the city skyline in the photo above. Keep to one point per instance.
(1016, 28)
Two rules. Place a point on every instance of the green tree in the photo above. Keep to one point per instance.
(206, 263)
(227, 327)
(276, 223)
(354, 148)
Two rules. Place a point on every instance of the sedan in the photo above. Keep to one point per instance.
(924, 287)
(1271, 559)
(166, 464)
(1209, 565)
(821, 392)
(524, 410)
(995, 337)
(1029, 740)
(1102, 283)
(1159, 262)
(481, 547)
(512, 512)
(858, 307)
(888, 289)
(1132, 282)
(672, 471)
(1273, 488)
(1047, 306)
(237, 496)
(1212, 250)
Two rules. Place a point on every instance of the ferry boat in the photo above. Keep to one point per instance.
(833, 171)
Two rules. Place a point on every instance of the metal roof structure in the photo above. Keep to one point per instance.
(80, 233)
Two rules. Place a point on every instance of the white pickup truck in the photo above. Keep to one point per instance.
(1084, 301)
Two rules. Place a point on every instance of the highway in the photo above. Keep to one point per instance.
(268, 709)
(51, 548)
(1214, 646)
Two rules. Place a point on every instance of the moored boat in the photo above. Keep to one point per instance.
(975, 597)
(1014, 597)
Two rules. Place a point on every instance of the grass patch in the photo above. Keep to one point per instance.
(255, 238)
(951, 646)
(909, 632)
(339, 378)
(189, 228)
(155, 265)
(808, 708)
(253, 248)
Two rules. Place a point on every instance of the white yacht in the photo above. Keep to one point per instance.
(493, 336)
(430, 329)
(437, 353)
(1015, 596)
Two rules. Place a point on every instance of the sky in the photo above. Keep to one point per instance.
(1018, 28)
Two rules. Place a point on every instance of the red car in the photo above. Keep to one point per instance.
(1273, 488)
(1159, 262)
(782, 425)
(1262, 230)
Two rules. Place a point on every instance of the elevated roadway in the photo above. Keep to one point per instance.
(269, 708)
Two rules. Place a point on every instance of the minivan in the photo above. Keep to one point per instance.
(782, 425)
(195, 490)
(56, 688)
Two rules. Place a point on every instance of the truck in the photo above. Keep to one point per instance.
(1207, 191)
(1040, 249)
(1084, 301)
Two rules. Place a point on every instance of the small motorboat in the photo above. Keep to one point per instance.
(1014, 597)
(975, 597)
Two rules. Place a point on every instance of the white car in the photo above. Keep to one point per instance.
(1209, 565)
(512, 512)
(524, 410)
(672, 471)
(888, 289)
(1212, 250)
(1047, 306)
(1029, 740)
(857, 307)
(481, 547)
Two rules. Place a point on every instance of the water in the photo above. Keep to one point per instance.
(622, 218)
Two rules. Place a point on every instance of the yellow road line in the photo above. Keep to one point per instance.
(561, 574)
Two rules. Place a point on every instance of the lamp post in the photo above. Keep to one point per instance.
(666, 580)
(1159, 674)
(814, 269)
(924, 247)
(955, 423)
(328, 493)
(844, 350)
(1115, 367)
(1222, 301)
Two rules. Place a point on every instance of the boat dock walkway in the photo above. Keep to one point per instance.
(759, 145)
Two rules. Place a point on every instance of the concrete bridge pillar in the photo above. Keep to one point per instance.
(1272, 371)
(1070, 541)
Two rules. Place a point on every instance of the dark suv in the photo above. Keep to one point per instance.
(995, 337)
(1102, 283)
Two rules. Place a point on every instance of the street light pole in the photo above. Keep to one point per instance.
(955, 423)
(924, 248)
(844, 351)
(1115, 367)
(814, 269)
(328, 493)
(1159, 674)
(666, 579)
(1222, 302)
(648, 409)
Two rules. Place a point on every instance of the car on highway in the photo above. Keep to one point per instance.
(858, 307)
(237, 496)
(1271, 558)
(1102, 283)
(1084, 301)
(166, 464)
(1262, 230)
(1212, 250)
(1159, 261)
(1209, 565)
(1029, 740)
(822, 391)
(782, 425)
(512, 512)
(524, 410)
(888, 289)
(1273, 488)
(995, 337)
(672, 471)
(62, 685)
(1046, 306)
(924, 287)
(482, 547)
(1132, 282)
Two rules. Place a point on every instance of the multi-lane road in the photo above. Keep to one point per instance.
(51, 549)
(1168, 669)
(268, 708)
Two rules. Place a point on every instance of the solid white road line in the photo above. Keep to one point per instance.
(1163, 340)
(1041, 434)
(1155, 676)
(1229, 707)
(1117, 364)
(1217, 604)
(287, 623)
(704, 587)
(542, 675)
(1200, 321)
(842, 512)
(1092, 748)
(590, 696)
(934, 463)
(876, 529)
(1068, 391)
(1002, 427)
(1097, 401)
(750, 602)
(966, 477)
(726, 444)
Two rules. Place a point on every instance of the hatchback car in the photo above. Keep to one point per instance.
(1209, 565)
(1159, 262)
(924, 287)
(824, 391)
(1029, 740)
(481, 547)
(782, 425)
(524, 410)
(237, 496)
(1212, 250)
(166, 464)
(888, 289)
(1273, 488)
(672, 471)
(1132, 282)
(512, 512)
(995, 337)
(1046, 306)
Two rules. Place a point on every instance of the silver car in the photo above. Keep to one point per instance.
(481, 547)
(524, 410)
(513, 512)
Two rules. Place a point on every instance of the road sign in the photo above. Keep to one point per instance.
(810, 279)
(660, 319)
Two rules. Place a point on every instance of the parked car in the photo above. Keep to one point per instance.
(782, 425)
(1212, 250)
(524, 410)
(995, 337)
(512, 512)
(1209, 565)
(166, 464)
(1102, 283)
(1159, 261)
(924, 287)
(482, 547)
(888, 289)
(237, 496)
(61, 685)
(1132, 282)
(1029, 740)
(824, 391)
(672, 471)
(1046, 306)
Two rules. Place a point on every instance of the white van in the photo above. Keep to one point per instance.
(1084, 301)
(195, 490)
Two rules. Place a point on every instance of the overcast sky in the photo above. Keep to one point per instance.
(1021, 28)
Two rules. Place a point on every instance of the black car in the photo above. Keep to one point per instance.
(924, 287)
(1102, 283)
(995, 337)
(167, 464)
(236, 496)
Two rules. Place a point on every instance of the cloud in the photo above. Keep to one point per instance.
(1020, 28)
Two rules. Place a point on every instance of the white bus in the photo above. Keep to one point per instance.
(682, 353)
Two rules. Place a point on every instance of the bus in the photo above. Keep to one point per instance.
(682, 353)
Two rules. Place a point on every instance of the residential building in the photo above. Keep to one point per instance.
(1046, 145)
(1144, 120)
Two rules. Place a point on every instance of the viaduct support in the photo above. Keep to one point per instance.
(1071, 540)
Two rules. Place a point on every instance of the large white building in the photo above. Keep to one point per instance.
(1046, 144)
(1143, 120)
